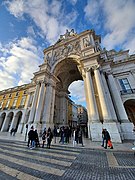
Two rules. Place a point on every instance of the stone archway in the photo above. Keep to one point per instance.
(66, 72)
(7, 122)
(2, 118)
(16, 120)
(76, 57)
(130, 109)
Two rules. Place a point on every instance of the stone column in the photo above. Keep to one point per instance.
(52, 106)
(94, 116)
(1, 122)
(86, 94)
(109, 99)
(40, 103)
(47, 106)
(34, 103)
(63, 107)
(122, 115)
(103, 104)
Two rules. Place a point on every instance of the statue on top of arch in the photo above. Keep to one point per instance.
(67, 35)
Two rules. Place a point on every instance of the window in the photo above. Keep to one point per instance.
(125, 84)
(10, 95)
(14, 103)
(7, 103)
(23, 101)
(4, 96)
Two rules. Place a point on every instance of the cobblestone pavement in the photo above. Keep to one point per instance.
(17, 161)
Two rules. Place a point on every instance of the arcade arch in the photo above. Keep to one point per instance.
(7, 122)
(17, 120)
(2, 118)
(130, 109)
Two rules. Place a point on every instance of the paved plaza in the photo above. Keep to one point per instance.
(65, 162)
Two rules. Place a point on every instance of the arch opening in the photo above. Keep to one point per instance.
(2, 119)
(130, 110)
(67, 72)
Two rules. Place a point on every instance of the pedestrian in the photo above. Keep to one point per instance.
(55, 133)
(62, 134)
(49, 137)
(107, 139)
(12, 130)
(37, 144)
(44, 137)
(31, 138)
(80, 137)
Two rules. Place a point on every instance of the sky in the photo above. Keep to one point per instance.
(27, 27)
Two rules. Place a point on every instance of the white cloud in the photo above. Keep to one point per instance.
(31, 31)
(77, 91)
(116, 18)
(6, 80)
(120, 22)
(49, 17)
(130, 44)
(92, 10)
(16, 7)
(19, 62)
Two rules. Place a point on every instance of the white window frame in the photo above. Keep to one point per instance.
(23, 101)
(7, 103)
(14, 102)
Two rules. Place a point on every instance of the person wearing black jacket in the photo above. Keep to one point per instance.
(49, 137)
(106, 137)
(31, 138)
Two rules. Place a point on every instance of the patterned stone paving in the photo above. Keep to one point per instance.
(17, 161)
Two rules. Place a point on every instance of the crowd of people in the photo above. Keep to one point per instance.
(33, 138)
(64, 133)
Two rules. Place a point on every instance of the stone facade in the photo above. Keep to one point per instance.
(109, 82)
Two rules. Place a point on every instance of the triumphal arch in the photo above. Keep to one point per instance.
(76, 57)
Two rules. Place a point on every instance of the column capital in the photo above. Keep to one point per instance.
(44, 82)
(95, 67)
(87, 69)
(37, 82)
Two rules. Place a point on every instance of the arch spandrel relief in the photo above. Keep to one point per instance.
(69, 44)
(63, 52)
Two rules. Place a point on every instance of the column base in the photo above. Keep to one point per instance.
(96, 131)
(127, 130)
(21, 128)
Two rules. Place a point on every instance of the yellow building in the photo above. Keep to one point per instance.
(12, 107)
